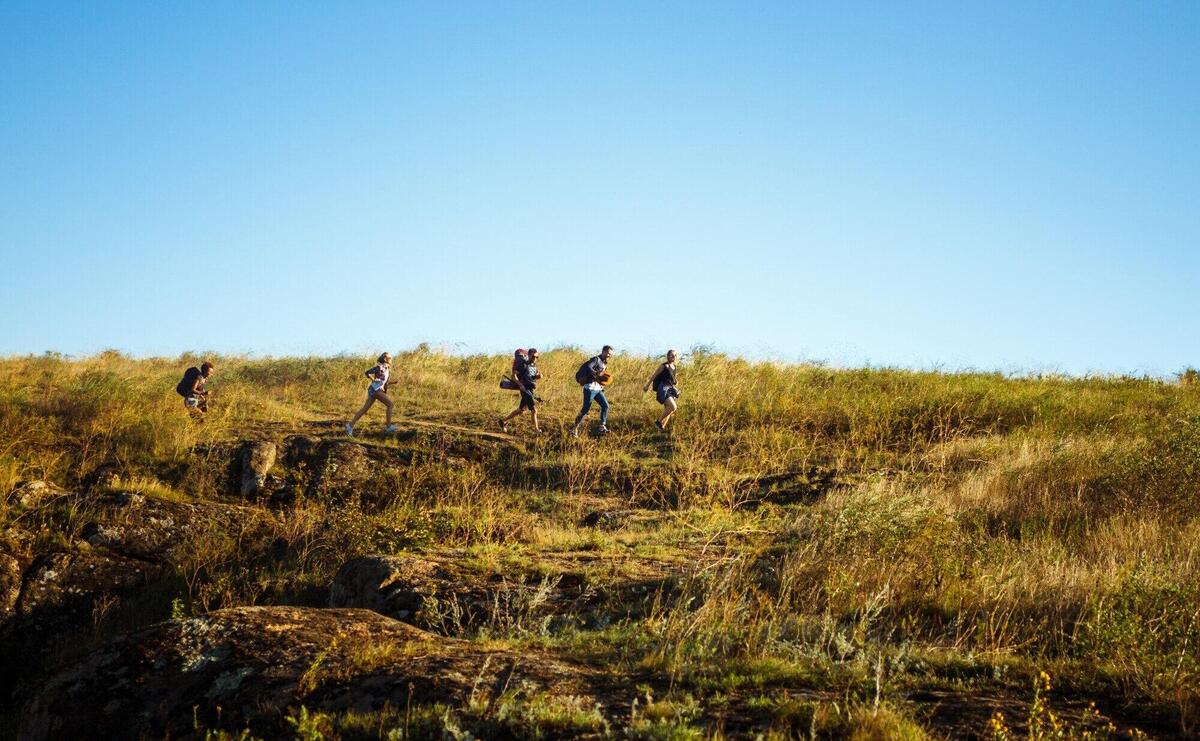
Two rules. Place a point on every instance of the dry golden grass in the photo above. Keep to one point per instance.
(1044, 520)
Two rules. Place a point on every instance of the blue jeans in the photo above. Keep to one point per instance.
(598, 396)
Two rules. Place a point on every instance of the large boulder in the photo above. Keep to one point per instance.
(134, 543)
(250, 667)
(396, 586)
(257, 459)
(166, 531)
(63, 590)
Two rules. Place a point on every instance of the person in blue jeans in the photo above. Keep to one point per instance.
(592, 375)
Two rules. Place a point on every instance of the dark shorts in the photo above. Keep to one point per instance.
(666, 392)
(527, 400)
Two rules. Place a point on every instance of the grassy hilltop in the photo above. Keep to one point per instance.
(872, 553)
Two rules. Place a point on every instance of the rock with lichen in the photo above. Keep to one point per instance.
(249, 667)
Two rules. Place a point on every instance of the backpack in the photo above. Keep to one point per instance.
(584, 375)
(184, 387)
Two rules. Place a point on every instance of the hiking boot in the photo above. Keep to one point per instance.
(603, 430)
(390, 428)
(573, 432)
(349, 430)
(503, 425)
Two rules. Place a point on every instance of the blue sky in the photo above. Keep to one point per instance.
(952, 185)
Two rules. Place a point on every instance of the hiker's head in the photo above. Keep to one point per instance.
(671, 356)
(532, 353)
(206, 369)
(384, 358)
(606, 353)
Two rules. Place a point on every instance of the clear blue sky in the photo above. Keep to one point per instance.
(934, 185)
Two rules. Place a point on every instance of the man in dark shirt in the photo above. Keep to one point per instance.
(191, 388)
(525, 375)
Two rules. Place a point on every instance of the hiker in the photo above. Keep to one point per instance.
(663, 383)
(191, 387)
(525, 376)
(593, 375)
(377, 391)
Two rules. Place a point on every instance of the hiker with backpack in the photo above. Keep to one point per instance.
(663, 383)
(593, 375)
(191, 387)
(524, 378)
(377, 391)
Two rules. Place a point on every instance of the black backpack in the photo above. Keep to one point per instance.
(584, 375)
(184, 388)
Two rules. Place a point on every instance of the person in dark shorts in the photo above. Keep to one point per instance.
(191, 387)
(593, 375)
(525, 375)
(663, 382)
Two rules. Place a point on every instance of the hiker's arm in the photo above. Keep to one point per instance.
(653, 376)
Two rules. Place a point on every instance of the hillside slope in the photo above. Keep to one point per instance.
(869, 553)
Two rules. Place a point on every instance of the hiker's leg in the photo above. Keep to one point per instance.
(669, 407)
(587, 404)
(366, 405)
(513, 415)
(603, 402)
(387, 402)
(533, 412)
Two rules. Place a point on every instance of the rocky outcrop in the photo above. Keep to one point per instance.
(133, 542)
(165, 531)
(10, 581)
(438, 594)
(249, 667)
(34, 494)
(390, 585)
(64, 590)
(346, 471)
(257, 459)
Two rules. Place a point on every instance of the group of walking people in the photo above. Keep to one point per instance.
(593, 376)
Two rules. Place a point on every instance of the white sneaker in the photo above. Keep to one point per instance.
(390, 428)
(349, 430)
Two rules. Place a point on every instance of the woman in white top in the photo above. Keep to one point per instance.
(377, 391)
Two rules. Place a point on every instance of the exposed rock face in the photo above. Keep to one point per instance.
(390, 585)
(257, 662)
(64, 590)
(441, 596)
(161, 530)
(10, 582)
(344, 471)
(36, 493)
(257, 460)
(135, 541)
